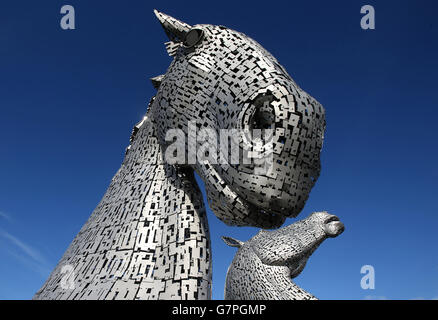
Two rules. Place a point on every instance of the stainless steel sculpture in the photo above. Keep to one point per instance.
(148, 238)
(263, 266)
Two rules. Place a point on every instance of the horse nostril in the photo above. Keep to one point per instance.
(333, 228)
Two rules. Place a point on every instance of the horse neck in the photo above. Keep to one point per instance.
(147, 239)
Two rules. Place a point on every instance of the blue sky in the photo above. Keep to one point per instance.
(69, 99)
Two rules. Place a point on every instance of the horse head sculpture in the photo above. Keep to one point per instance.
(148, 238)
(224, 80)
(263, 266)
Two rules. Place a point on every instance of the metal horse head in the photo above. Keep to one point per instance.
(224, 80)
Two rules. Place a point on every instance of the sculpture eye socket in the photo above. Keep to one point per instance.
(193, 37)
(264, 116)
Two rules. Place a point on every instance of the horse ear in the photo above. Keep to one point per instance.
(232, 242)
(156, 81)
(175, 29)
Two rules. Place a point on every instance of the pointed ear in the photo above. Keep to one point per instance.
(156, 81)
(174, 28)
(232, 242)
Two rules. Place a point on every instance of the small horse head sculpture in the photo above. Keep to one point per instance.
(263, 266)
(223, 80)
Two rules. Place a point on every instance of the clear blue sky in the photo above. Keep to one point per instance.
(69, 99)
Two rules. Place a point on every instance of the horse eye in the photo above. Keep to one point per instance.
(264, 115)
(193, 37)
